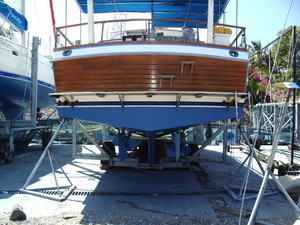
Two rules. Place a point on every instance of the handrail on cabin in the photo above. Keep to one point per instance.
(241, 33)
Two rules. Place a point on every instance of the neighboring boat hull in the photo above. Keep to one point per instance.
(15, 80)
(15, 90)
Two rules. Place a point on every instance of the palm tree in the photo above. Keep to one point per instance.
(259, 72)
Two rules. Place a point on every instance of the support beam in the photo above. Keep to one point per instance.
(272, 156)
(91, 31)
(176, 141)
(151, 148)
(93, 141)
(294, 95)
(210, 21)
(34, 86)
(225, 144)
(122, 146)
(63, 195)
(74, 138)
(209, 140)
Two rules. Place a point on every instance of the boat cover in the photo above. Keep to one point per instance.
(193, 10)
(13, 16)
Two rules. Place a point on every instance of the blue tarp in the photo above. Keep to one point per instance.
(194, 10)
(15, 17)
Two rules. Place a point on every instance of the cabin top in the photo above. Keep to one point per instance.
(188, 10)
(166, 20)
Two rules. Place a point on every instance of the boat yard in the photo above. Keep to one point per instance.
(154, 124)
(138, 196)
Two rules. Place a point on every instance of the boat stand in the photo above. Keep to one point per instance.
(243, 188)
(290, 86)
(230, 189)
(76, 155)
(207, 142)
(64, 191)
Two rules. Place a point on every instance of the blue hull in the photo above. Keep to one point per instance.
(15, 94)
(150, 119)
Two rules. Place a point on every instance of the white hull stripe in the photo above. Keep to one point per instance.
(150, 49)
(146, 104)
(24, 79)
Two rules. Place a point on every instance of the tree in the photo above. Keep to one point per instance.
(276, 60)
(259, 71)
(283, 50)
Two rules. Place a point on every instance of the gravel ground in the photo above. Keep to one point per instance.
(115, 219)
(111, 219)
(90, 218)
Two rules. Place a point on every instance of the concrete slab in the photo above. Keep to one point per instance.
(272, 207)
(145, 188)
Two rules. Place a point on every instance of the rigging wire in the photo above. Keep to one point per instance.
(275, 63)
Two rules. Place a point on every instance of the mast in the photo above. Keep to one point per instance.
(91, 21)
(23, 32)
(210, 21)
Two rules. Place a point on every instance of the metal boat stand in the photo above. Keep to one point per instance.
(64, 191)
(243, 188)
(252, 154)
(290, 86)
(214, 135)
(103, 155)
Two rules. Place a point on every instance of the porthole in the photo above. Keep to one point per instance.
(233, 53)
(67, 52)
(14, 52)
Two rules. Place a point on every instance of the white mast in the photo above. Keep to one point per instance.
(91, 21)
(23, 32)
(210, 21)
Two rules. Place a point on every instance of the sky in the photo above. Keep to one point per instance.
(262, 18)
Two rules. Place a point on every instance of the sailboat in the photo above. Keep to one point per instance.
(153, 80)
(15, 67)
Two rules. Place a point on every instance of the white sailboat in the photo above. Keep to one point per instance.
(15, 67)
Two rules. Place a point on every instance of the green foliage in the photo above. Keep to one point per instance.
(285, 53)
(257, 86)
(280, 55)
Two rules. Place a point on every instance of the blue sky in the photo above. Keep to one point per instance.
(263, 18)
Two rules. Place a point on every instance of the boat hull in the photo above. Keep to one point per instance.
(151, 119)
(149, 67)
(15, 92)
(150, 111)
(15, 80)
(150, 86)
